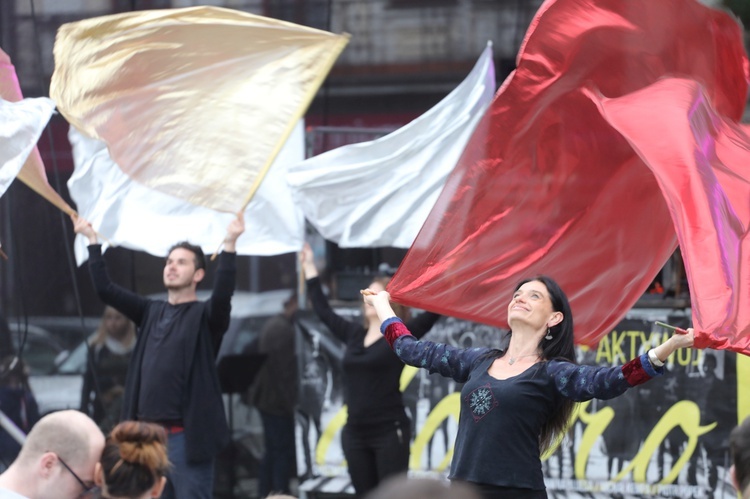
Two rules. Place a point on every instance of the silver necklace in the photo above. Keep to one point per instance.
(513, 359)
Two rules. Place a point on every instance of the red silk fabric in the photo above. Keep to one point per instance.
(548, 186)
(702, 164)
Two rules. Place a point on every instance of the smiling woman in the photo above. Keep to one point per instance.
(516, 401)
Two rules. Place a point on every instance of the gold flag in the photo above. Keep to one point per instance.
(32, 173)
(195, 103)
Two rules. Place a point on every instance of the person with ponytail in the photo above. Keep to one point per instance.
(134, 461)
(515, 402)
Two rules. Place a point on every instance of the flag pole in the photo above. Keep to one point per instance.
(338, 46)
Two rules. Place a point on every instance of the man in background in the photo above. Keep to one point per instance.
(274, 394)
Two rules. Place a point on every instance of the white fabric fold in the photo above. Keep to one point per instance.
(21, 125)
(379, 193)
(131, 215)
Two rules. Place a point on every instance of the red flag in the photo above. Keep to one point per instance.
(546, 185)
(701, 164)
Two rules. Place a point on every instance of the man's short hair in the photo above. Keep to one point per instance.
(200, 258)
(739, 445)
(66, 433)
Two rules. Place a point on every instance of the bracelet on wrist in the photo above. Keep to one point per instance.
(652, 357)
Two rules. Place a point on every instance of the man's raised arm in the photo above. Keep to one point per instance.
(127, 302)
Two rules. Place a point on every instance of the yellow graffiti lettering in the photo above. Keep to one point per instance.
(559, 438)
(407, 374)
(698, 358)
(684, 356)
(743, 394)
(637, 338)
(596, 423)
(618, 354)
(334, 426)
(654, 339)
(339, 419)
(447, 407)
(603, 352)
(684, 414)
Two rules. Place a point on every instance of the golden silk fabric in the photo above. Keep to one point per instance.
(195, 103)
(32, 173)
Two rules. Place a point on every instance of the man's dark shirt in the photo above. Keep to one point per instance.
(163, 368)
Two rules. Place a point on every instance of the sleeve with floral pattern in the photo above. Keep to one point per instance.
(449, 361)
(582, 383)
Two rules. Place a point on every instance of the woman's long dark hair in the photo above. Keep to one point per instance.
(559, 347)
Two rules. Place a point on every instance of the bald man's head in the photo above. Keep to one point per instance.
(58, 459)
(70, 434)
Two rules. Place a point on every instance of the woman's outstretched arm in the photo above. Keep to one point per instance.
(447, 360)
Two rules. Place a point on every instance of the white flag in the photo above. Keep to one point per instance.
(379, 193)
(21, 124)
(134, 216)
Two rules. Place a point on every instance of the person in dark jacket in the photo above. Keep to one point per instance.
(274, 393)
(104, 380)
(172, 378)
(377, 437)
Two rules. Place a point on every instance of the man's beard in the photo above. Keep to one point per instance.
(175, 286)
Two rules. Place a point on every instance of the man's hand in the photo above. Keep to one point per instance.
(82, 226)
(234, 231)
(307, 262)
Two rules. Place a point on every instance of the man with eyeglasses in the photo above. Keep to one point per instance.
(57, 461)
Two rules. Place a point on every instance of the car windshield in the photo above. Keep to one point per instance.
(40, 348)
(75, 362)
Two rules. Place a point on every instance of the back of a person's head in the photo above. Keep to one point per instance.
(72, 435)
(134, 459)
(739, 446)
(402, 487)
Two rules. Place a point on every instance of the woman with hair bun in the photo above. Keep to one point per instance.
(134, 462)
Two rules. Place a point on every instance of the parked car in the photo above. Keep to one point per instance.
(48, 340)
(59, 387)
(68, 331)
(40, 349)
